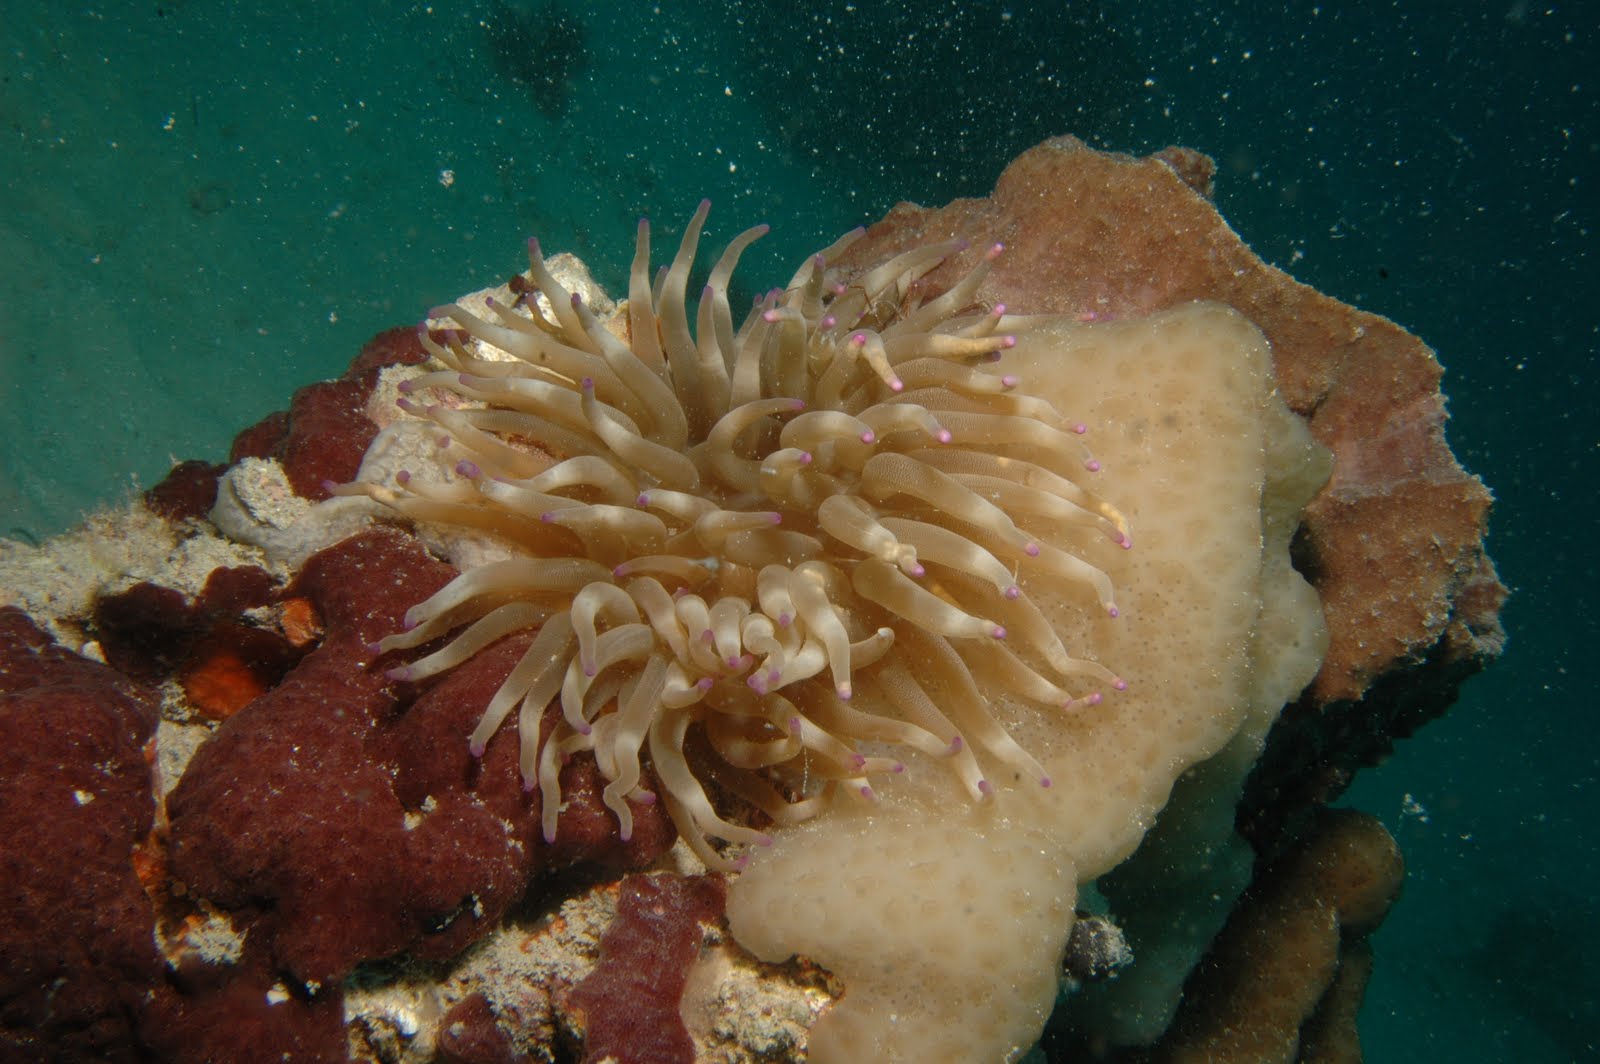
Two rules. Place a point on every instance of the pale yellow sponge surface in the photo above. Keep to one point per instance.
(946, 920)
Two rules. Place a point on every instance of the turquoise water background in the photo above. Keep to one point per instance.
(205, 205)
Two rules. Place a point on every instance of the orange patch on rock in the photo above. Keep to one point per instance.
(221, 684)
(301, 625)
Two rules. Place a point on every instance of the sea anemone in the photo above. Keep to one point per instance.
(830, 527)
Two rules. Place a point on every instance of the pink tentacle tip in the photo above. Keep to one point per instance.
(375, 649)
(1119, 684)
(918, 571)
(756, 684)
(406, 387)
(765, 840)
(986, 788)
(1008, 341)
(1013, 592)
(806, 457)
(329, 486)
(794, 725)
(859, 339)
(785, 620)
(943, 436)
(995, 251)
(1010, 380)
(643, 501)
(442, 442)
(898, 767)
(399, 674)
(797, 404)
(1046, 781)
(868, 793)
(1031, 550)
(1094, 699)
(869, 437)
(625, 832)
(775, 517)
(476, 749)
(548, 833)
(741, 862)
(586, 729)
(549, 518)
(403, 477)
(645, 798)
(999, 310)
(828, 321)
(577, 301)
(705, 683)
(857, 761)
(896, 384)
(845, 692)
(1093, 465)
(998, 631)
(771, 317)
(470, 470)
(1112, 611)
(1080, 428)
(588, 384)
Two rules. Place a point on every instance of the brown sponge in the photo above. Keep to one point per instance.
(1284, 979)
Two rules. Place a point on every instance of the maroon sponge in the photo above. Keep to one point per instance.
(325, 432)
(468, 1035)
(188, 491)
(322, 436)
(340, 815)
(77, 946)
(630, 1000)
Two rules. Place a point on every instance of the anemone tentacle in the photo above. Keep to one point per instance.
(754, 532)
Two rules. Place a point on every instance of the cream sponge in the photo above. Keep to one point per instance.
(946, 920)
